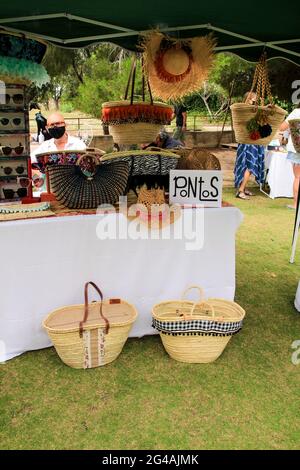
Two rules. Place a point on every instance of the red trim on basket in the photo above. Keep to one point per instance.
(137, 111)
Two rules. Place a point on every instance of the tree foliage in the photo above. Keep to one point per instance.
(85, 78)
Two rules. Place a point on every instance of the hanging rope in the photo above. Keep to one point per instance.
(261, 83)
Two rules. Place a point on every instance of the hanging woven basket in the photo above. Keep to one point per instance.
(91, 334)
(135, 122)
(197, 332)
(257, 123)
(295, 133)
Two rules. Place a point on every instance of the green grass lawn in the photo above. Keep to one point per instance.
(247, 399)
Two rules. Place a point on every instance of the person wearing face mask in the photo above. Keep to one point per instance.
(60, 139)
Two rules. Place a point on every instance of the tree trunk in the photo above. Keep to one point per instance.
(56, 102)
(77, 73)
(206, 105)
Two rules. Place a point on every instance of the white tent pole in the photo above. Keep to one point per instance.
(32, 18)
(296, 228)
(33, 35)
(287, 51)
(129, 32)
(132, 33)
(99, 23)
(287, 41)
(242, 46)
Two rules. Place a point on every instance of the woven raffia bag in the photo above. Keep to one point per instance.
(197, 332)
(295, 133)
(90, 335)
(256, 123)
(136, 122)
(88, 183)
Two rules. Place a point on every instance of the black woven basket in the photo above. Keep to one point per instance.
(78, 188)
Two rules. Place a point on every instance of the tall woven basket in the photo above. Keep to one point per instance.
(256, 123)
(295, 133)
(135, 122)
(197, 332)
(91, 334)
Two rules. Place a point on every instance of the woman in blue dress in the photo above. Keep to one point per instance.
(249, 161)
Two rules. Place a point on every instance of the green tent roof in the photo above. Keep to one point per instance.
(240, 27)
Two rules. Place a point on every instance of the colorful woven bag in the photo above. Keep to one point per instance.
(88, 184)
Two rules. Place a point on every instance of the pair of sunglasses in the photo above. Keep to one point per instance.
(7, 150)
(9, 193)
(8, 170)
(36, 181)
(17, 98)
(15, 121)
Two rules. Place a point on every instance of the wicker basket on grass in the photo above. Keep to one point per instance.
(197, 332)
(90, 335)
(256, 123)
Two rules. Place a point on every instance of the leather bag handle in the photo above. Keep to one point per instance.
(86, 308)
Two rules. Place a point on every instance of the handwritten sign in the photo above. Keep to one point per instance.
(196, 187)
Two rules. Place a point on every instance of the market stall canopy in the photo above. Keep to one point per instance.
(239, 27)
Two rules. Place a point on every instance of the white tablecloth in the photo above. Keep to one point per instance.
(45, 263)
(280, 176)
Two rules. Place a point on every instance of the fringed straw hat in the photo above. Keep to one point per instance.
(175, 67)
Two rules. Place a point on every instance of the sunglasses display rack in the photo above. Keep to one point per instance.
(15, 168)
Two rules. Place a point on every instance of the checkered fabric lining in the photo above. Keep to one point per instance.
(198, 327)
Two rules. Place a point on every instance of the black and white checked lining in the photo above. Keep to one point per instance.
(198, 326)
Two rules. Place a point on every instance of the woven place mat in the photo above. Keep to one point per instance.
(27, 215)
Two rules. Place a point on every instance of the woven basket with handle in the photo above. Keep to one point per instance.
(271, 115)
(88, 183)
(92, 334)
(197, 332)
(135, 122)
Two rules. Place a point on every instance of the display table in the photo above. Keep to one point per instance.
(280, 176)
(45, 263)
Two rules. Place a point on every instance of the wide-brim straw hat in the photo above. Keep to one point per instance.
(175, 67)
(199, 159)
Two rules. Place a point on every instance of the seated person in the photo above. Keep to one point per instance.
(60, 139)
(164, 141)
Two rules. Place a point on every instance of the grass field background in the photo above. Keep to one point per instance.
(247, 399)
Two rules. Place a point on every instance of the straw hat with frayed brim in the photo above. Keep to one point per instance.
(176, 68)
(151, 209)
(157, 221)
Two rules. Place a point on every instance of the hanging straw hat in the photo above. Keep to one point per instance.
(174, 67)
